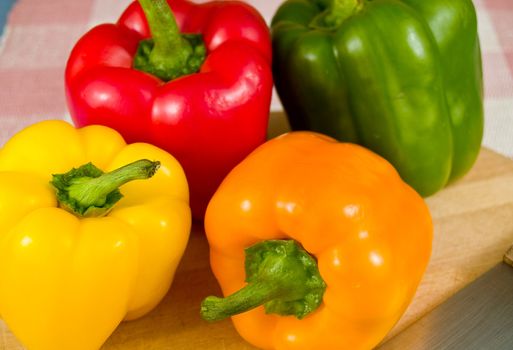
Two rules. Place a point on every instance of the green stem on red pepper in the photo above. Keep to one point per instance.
(89, 192)
(169, 54)
(281, 275)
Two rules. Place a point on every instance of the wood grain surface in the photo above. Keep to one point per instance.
(473, 228)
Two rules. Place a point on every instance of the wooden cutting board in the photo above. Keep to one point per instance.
(473, 227)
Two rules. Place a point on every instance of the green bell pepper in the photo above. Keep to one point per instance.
(401, 77)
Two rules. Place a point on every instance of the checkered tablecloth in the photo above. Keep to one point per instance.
(40, 34)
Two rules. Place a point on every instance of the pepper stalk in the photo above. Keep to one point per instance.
(336, 12)
(169, 54)
(89, 192)
(281, 275)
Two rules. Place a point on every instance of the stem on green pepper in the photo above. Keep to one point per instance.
(336, 13)
(281, 275)
(88, 192)
(168, 54)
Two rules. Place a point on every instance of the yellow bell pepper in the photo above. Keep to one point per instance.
(68, 279)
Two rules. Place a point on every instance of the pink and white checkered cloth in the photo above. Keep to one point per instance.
(40, 34)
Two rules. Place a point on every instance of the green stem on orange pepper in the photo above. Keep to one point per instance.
(281, 275)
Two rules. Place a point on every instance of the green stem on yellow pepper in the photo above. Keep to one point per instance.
(168, 54)
(281, 275)
(88, 192)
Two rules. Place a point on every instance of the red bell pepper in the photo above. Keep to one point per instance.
(204, 98)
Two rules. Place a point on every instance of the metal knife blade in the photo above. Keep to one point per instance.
(478, 317)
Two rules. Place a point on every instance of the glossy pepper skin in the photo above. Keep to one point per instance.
(402, 78)
(66, 282)
(369, 232)
(209, 120)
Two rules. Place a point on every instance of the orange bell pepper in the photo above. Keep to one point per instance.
(318, 245)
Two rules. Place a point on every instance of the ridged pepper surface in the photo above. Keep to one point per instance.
(401, 77)
(78, 256)
(325, 235)
(203, 96)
